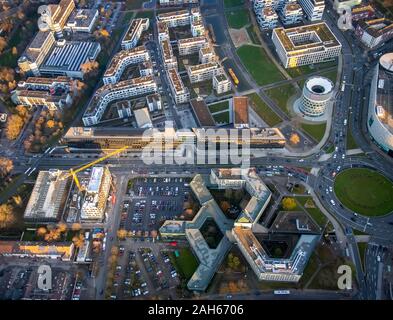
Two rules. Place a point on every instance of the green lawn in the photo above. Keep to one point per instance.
(315, 130)
(237, 19)
(253, 34)
(281, 95)
(145, 14)
(263, 110)
(224, 105)
(315, 213)
(134, 4)
(259, 65)
(364, 191)
(186, 263)
(222, 117)
(233, 3)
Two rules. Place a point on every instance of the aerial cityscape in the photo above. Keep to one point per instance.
(196, 150)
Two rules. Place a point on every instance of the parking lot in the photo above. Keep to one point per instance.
(143, 271)
(151, 202)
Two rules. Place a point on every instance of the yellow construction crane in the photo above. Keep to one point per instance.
(73, 172)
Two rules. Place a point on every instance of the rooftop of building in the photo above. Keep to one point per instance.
(122, 55)
(319, 33)
(202, 113)
(134, 28)
(176, 81)
(172, 14)
(202, 67)
(173, 227)
(376, 27)
(142, 118)
(82, 18)
(192, 40)
(240, 108)
(384, 98)
(61, 249)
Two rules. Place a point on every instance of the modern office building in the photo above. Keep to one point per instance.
(48, 198)
(374, 32)
(180, 92)
(221, 83)
(110, 92)
(191, 45)
(36, 52)
(170, 61)
(317, 94)
(380, 109)
(313, 9)
(202, 72)
(175, 18)
(122, 60)
(305, 45)
(134, 32)
(97, 193)
(82, 20)
(54, 16)
(67, 57)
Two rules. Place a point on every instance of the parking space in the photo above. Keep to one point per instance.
(152, 201)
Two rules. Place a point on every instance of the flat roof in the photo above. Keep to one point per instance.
(135, 28)
(240, 107)
(122, 55)
(82, 18)
(205, 119)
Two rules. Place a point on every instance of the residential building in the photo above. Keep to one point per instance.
(291, 13)
(202, 72)
(313, 8)
(180, 92)
(221, 83)
(163, 31)
(122, 60)
(134, 32)
(197, 28)
(206, 55)
(146, 69)
(154, 102)
(267, 18)
(304, 45)
(191, 45)
(170, 61)
(120, 90)
(175, 18)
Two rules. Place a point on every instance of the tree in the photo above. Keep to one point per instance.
(76, 226)
(104, 33)
(6, 166)
(62, 227)
(14, 126)
(122, 234)
(89, 67)
(50, 124)
(3, 44)
(7, 74)
(294, 139)
(288, 203)
(7, 216)
(225, 206)
(14, 51)
(41, 231)
(78, 240)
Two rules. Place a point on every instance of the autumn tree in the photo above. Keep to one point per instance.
(78, 240)
(14, 126)
(76, 226)
(50, 124)
(7, 216)
(14, 51)
(288, 203)
(294, 138)
(62, 227)
(89, 67)
(3, 44)
(225, 206)
(122, 234)
(41, 231)
(6, 166)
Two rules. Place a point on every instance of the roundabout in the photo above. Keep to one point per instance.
(364, 191)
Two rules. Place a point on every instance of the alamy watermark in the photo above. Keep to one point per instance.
(44, 281)
(344, 22)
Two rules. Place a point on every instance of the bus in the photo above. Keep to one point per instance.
(233, 76)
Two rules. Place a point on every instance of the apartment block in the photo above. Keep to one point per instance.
(134, 32)
(179, 91)
(191, 45)
(221, 83)
(202, 72)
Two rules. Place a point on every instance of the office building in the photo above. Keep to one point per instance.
(308, 44)
(317, 93)
(82, 20)
(110, 92)
(48, 198)
(134, 32)
(97, 193)
(374, 32)
(122, 60)
(54, 16)
(67, 57)
(313, 9)
(202, 72)
(380, 109)
(36, 52)
(221, 83)
(191, 45)
(180, 92)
